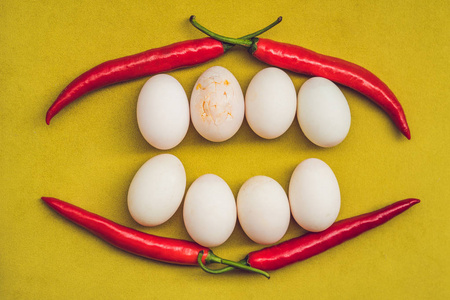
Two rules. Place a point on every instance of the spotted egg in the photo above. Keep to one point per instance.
(217, 105)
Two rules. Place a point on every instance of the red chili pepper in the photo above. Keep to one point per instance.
(310, 244)
(304, 61)
(171, 57)
(154, 247)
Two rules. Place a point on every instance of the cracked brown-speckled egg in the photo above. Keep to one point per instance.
(217, 105)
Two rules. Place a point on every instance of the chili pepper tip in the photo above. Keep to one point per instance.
(45, 199)
(52, 111)
(407, 133)
(414, 201)
(50, 201)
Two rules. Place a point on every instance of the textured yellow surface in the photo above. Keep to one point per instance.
(91, 150)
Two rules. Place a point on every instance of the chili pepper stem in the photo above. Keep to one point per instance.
(212, 258)
(224, 269)
(193, 21)
(245, 41)
(261, 31)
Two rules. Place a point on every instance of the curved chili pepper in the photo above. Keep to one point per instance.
(153, 61)
(300, 60)
(154, 247)
(310, 244)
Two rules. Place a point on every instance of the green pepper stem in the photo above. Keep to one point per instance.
(222, 270)
(213, 271)
(261, 31)
(212, 258)
(243, 41)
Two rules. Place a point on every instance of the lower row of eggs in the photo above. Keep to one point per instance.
(210, 210)
(217, 108)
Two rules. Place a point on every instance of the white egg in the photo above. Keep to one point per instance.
(209, 211)
(270, 103)
(263, 210)
(323, 112)
(314, 195)
(157, 190)
(163, 112)
(217, 105)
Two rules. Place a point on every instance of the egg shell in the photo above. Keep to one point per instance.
(323, 112)
(270, 103)
(209, 211)
(314, 195)
(157, 189)
(263, 210)
(163, 112)
(217, 104)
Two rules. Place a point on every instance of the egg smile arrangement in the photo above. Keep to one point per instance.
(217, 108)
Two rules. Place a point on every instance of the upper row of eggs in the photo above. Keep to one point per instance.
(217, 108)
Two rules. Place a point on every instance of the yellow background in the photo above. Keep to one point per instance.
(92, 149)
